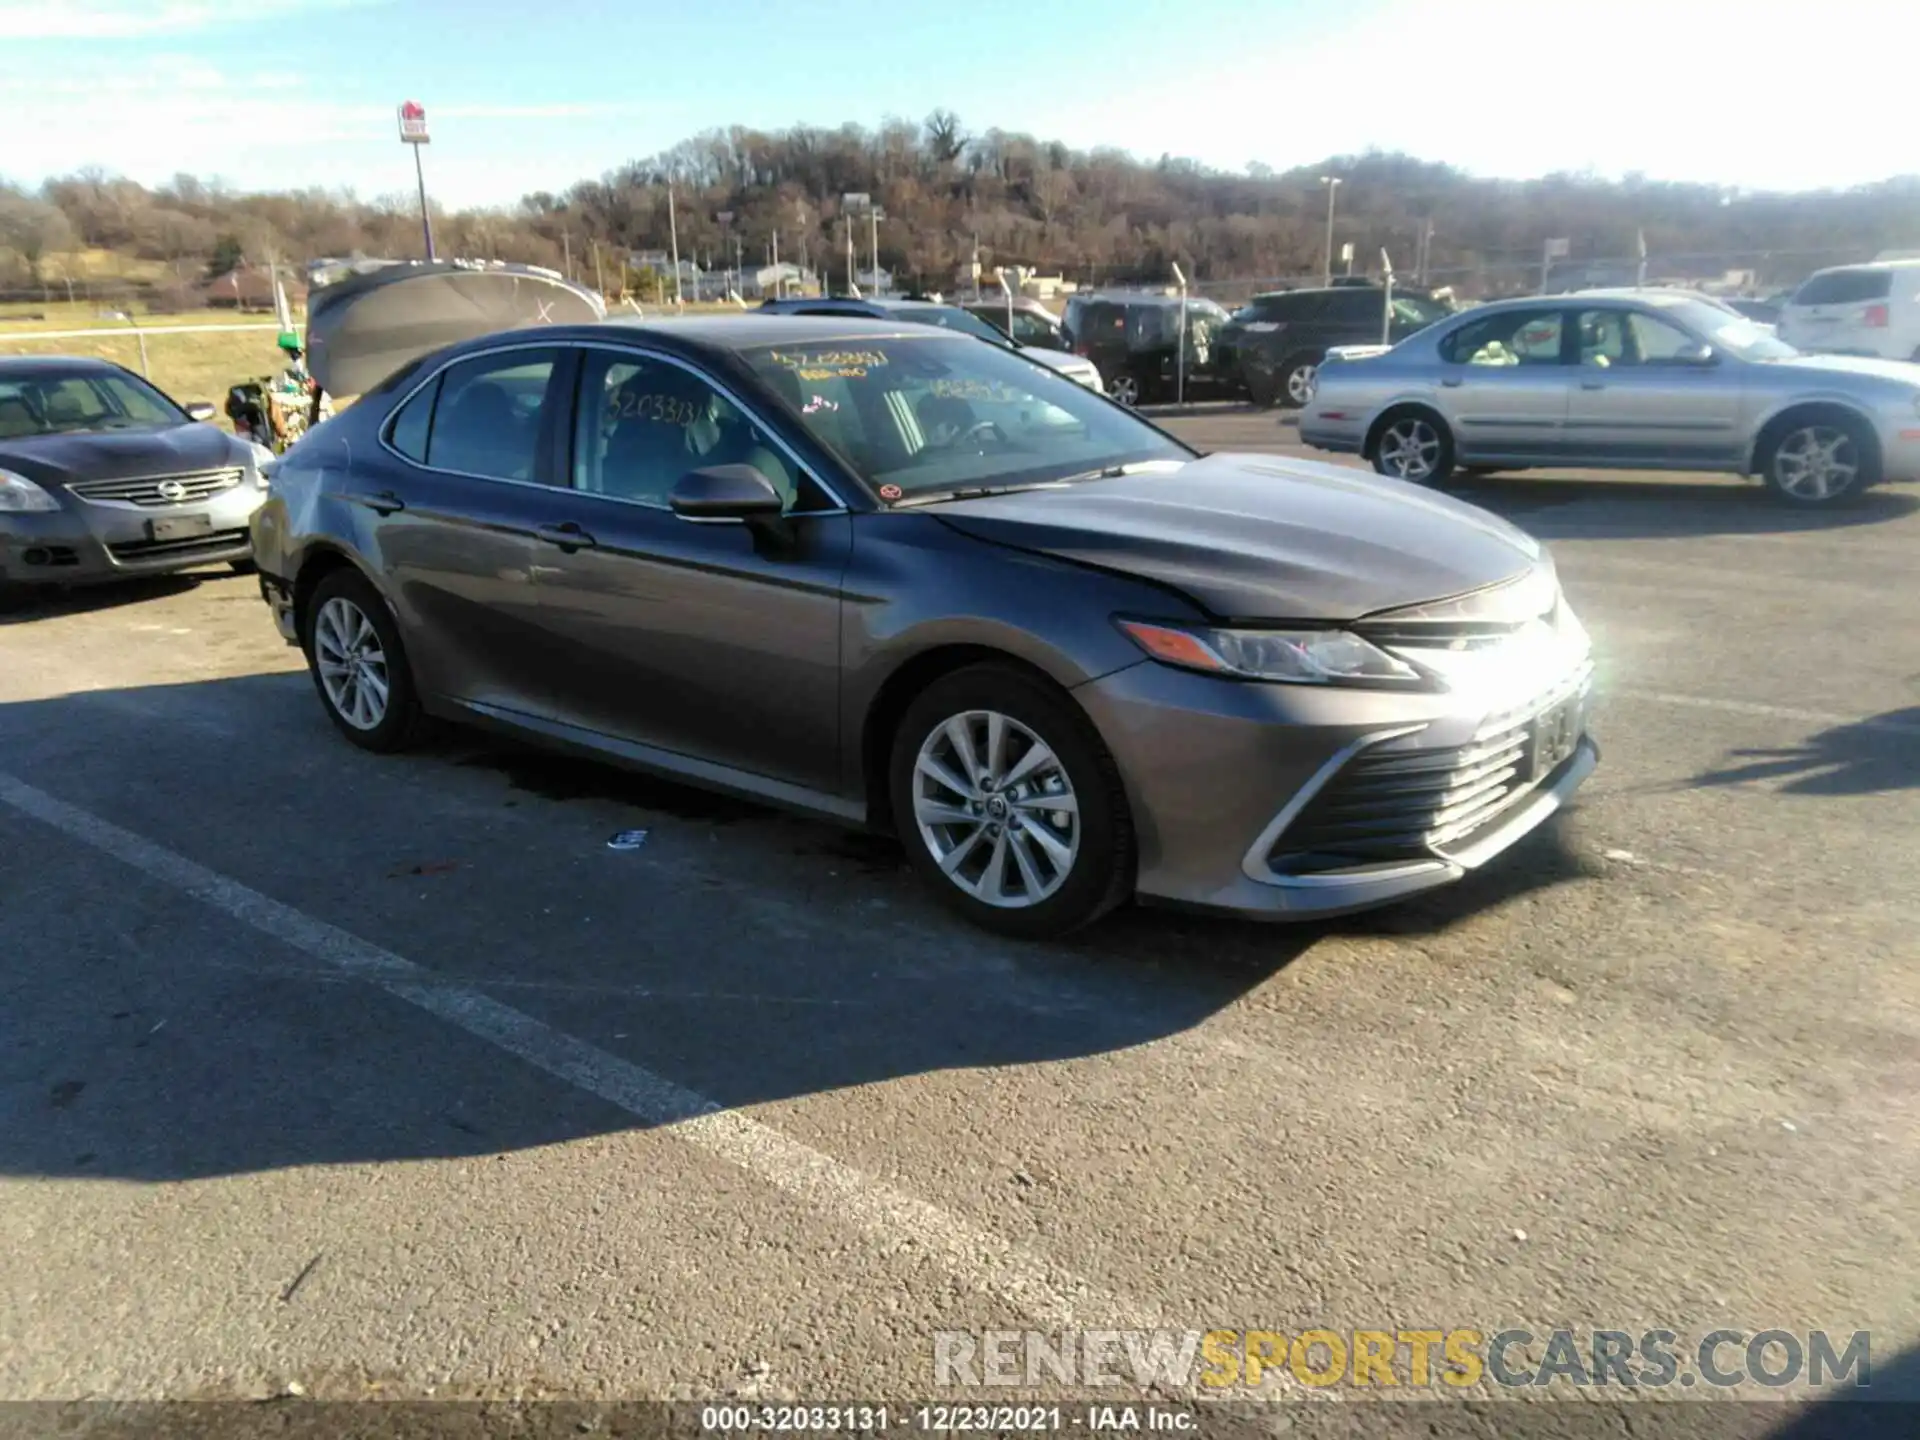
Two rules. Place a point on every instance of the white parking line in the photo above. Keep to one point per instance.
(979, 1259)
(1778, 712)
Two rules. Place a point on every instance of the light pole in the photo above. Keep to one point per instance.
(1332, 182)
(673, 236)
(874, 216)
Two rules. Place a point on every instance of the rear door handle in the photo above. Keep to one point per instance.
(1452, 382)
(1593, 384)
(384, 503)
(567, 535)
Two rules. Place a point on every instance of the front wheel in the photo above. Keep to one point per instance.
(359, 664)
(1009, 805)
(1414, 446)
(1828, 461)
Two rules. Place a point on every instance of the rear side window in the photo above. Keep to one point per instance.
(1356, 306)
(1845, 287)
(1509, 337)
(1304, 306)
(410, 426)
(488, 416)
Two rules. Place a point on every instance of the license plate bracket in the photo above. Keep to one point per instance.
(179, 527)
(1556, 735)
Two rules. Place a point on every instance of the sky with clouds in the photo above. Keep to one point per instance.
(529, 96)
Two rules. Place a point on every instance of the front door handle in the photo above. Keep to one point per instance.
(1593, 384)
(567, 535)
(385, 503)
(1452, 382)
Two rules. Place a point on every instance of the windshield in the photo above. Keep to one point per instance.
(1726, 330)
(1415, 311)
(56, 404)
(952, 317)
(931, 416)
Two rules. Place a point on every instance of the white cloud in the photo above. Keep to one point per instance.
(129, 19)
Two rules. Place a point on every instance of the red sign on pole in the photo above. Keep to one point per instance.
(413, 123)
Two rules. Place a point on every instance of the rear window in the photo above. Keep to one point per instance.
(1845, 287)
(1302, 306)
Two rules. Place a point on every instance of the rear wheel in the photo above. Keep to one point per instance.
(1414, 445)
(1820, 460)
(1124, 389)
(1009, 804)
(359, 665)
(1298, 377)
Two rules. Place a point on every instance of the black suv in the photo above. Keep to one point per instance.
(1134, 337)
(1274, 345)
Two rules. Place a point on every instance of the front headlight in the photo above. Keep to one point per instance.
(1298, 657)
(20, 496)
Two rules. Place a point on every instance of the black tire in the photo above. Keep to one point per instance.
(1099, 875)
(1262, 386)
(402, 722)
(1294, 383)
(1127, 389)
(1437, 450)
(243, 567)
(1789, 479)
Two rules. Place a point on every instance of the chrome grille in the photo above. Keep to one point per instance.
(1388, 804)
(217, 543)
(148, 494)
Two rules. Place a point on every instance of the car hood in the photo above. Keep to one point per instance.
(1060, 360)
(1903, 371)
(1258, 537)
(122, 454)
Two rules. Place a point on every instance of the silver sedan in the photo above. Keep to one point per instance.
(1626, 381)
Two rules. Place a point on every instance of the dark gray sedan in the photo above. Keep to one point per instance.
(901, 579)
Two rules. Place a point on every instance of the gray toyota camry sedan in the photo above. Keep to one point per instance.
(903, 579)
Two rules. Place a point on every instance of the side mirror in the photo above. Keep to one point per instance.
(1695, 354)
(725, 492)
(200, 410)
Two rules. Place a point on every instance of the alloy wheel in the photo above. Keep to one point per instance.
(996, 809)
(1301, 381)
(1125, 390)
(352, 663)
(1409, 450)
(1816, 462)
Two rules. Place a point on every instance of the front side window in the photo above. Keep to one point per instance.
(642, 424)
(940, 413)
(488, 416)
(1655, 342)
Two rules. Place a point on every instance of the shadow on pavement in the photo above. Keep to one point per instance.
(44, 603)
(1864, 757)
(742, 955)
(1631, 508)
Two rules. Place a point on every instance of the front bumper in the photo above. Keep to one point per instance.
(1229, 780)
(87, 542)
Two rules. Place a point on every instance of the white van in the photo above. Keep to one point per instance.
(1857, 310)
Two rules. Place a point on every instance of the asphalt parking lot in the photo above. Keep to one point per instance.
(388, 1077)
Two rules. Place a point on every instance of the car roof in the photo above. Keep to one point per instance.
(744, 331)
(23, 367)
(1875, 265)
